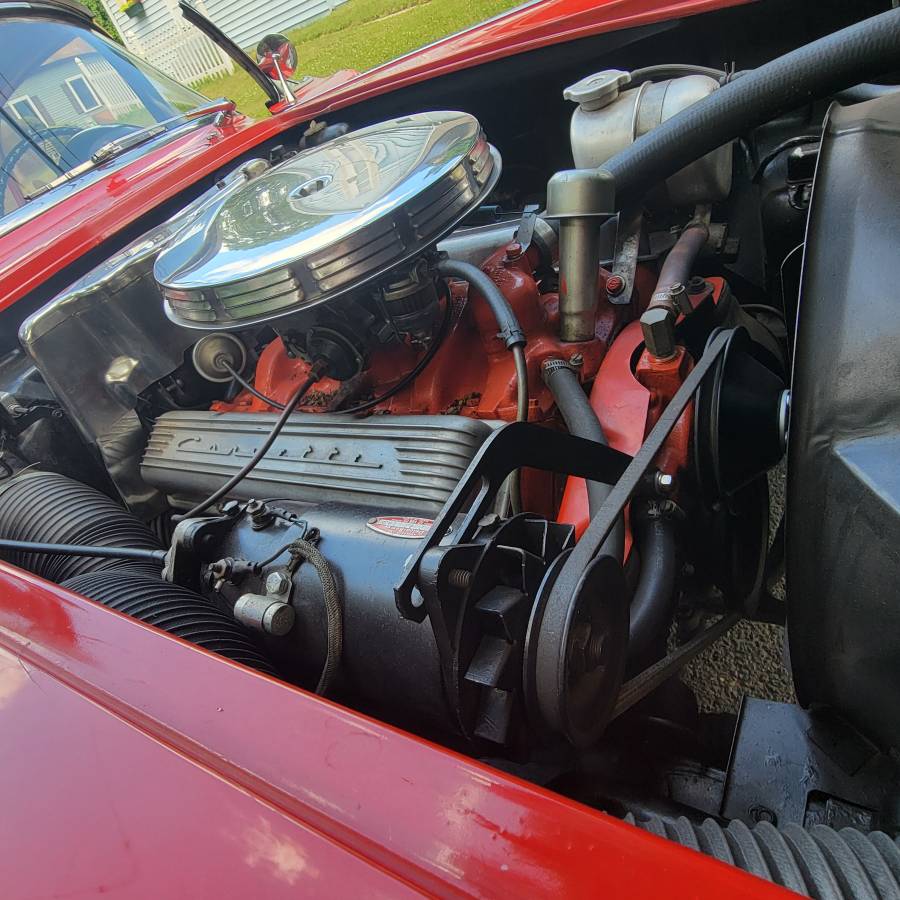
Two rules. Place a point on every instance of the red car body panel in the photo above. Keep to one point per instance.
(139, 765)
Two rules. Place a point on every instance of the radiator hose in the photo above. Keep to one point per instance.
(818, 862)
(653, 603)
(582, 421)
(841, 60)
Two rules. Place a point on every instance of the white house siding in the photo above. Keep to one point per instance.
(47, 89)
(164, 39)
(110, 87)
(246, 21)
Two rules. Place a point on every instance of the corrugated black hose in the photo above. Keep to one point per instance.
(174, 609)
(47, 509)
(818, 862)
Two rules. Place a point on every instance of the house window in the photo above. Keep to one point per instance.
(83, 94)
(26, 110)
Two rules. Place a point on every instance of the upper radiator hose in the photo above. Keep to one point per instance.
(50, 508)
(840, 60)
(817, 862)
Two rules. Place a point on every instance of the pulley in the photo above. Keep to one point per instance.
(740, 427)
(576, 648)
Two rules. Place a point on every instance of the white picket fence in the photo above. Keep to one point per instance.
(188, 58)
(164, 39)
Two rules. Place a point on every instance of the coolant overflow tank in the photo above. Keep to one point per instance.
(608, 119)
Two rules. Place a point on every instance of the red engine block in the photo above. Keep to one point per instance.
(472, 374)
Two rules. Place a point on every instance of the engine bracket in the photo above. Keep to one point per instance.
(512, 447)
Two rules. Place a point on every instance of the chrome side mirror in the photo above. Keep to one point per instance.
(277, 57)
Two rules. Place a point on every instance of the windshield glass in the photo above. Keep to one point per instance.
(65, 91)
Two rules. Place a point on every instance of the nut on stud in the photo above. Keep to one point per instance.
(658, 327)
(664, 483)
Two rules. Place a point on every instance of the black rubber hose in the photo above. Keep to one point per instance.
(653, 603)
(582, 421)
(833, 63)
(171, 608)
(45, 507)
(677, 266)
(510, 331)
(817, 862)
(674, 70)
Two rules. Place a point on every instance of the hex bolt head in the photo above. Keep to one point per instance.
(231, 508)
(277, 583)
(658, 327)
(615, 284)
(697, 285)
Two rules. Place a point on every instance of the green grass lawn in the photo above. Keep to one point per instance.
(361, 34)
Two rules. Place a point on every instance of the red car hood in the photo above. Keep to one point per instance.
(139, 765)
(44, 246)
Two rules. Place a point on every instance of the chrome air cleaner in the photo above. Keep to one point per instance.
(327, 221)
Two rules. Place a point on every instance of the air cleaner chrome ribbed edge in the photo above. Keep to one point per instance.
(327, 221)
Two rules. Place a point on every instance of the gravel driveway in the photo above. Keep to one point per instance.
(749, 659)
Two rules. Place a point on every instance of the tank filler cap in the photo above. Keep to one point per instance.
(598, 90)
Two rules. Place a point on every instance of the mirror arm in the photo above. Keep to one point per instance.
(221, 40)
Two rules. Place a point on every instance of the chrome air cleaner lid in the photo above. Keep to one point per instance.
(327, 221)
